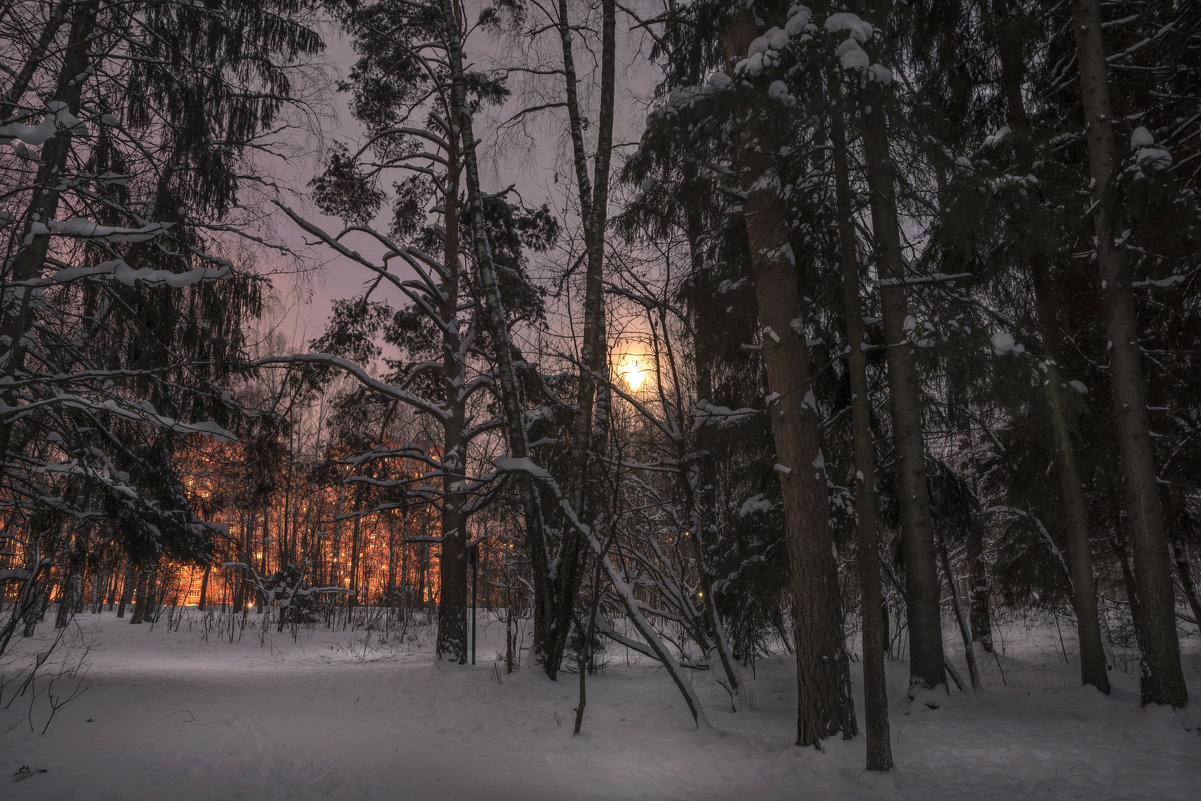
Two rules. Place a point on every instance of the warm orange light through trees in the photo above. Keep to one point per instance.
(633, 366)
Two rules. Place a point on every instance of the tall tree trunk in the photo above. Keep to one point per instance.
(700, 477)
(824, 705)
(452, 602)
(153, 593)
(926, 665)
(590, 418)
(875, 687)
(510, 394)
(1071, 485)
(1162, 675)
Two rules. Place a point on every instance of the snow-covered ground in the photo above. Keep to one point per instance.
(169, 716)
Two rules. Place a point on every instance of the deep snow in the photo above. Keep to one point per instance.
(334, 715)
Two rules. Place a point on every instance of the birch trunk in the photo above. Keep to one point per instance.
(590, 419)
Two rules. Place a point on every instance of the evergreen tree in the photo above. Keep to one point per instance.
(123, 313)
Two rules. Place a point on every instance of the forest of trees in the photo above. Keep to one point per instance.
(886, 314)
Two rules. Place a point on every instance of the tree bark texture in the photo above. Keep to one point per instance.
(824, 707)
(1071, 485)
(875, 687)
(926, 665)
(590, 418)
(1162, 675)
(485, 269)
(452, 569)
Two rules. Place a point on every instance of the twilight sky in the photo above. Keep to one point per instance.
(532, 156)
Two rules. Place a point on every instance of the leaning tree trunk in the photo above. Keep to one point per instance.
(1162, 676)
(1180, 557)
(1184, 570)
(824, 705)
(960, 617)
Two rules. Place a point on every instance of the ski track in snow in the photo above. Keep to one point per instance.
(173, 718)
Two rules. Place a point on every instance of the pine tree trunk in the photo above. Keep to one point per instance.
(452, 603)
(1162, 675)
(153, 594)
(824, 706)
(1071, 485)
(701, 469)
(139, 604)
(875, 687)
(1075, 515)
(926, 665)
